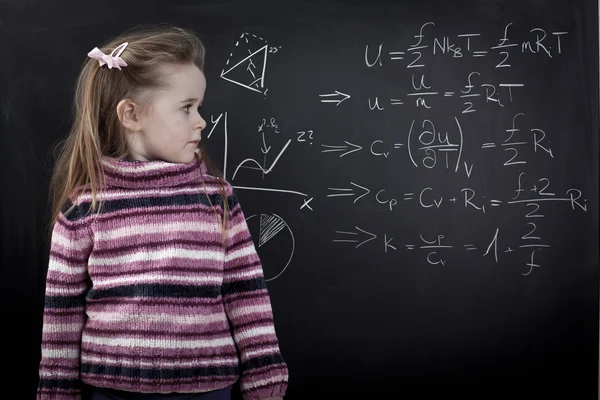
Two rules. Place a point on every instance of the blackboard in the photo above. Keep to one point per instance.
(420, 178)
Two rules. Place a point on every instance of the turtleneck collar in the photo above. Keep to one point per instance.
(149, 174)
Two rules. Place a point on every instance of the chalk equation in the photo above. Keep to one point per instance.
(436, 249)
(430, 144)
(426, 146)
(426, 140)
(468, 44)
(466, 197)
(475, 86)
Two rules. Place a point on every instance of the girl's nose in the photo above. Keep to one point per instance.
(201, 124)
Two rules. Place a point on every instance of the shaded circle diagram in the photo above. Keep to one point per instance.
(274, 241)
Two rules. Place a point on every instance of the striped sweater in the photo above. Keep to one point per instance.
(149, 296)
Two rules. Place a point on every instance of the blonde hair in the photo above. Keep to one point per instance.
(96, 129)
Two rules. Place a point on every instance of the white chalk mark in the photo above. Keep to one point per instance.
(504, 45)
(341, 194)
(536, 200)
(270, 225)
(367, 191)
(240, 84)
(215, 123)
(353, 240)
(293, 245)
(248, 58)
(532, 264)
(341, 148)
(253, 168)
(421, 93)
(461, 144)
(270, 190)
(265, 149)
(368, 233)
(265, 171)
(409, 151)
(468, 170)
(495, 243)
(512, 144)
(377, 59)
(438, 146)
(337, 93)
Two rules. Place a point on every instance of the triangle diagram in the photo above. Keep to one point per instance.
(250, 71)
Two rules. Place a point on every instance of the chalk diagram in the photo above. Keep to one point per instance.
(271, 234)
(276, 243)
(220, 123)
(247, 62)
(264, 126)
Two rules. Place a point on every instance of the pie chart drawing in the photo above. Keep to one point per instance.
(274, 241)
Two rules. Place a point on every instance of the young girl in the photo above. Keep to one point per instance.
(154, 288)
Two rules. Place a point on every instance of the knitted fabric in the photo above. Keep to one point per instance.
(150, 295)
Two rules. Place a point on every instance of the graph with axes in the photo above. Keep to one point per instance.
(273, 236)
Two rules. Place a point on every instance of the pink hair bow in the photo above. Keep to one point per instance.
(113, 59)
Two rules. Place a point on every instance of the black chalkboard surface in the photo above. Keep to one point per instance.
(420, 178)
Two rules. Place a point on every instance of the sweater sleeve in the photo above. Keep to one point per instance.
(67, 281)
(264, 373)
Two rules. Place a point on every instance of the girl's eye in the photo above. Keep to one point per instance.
(187, 108)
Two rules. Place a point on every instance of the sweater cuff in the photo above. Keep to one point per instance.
(263, 392)
(58, 396)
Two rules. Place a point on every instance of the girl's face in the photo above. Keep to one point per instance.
(170, 130)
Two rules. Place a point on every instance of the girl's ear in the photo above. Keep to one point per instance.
(128, 112)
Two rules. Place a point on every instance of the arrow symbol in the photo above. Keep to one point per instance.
(329, 149)
(345, 97)
(265, 149)
(350, 235)
(349, 192)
